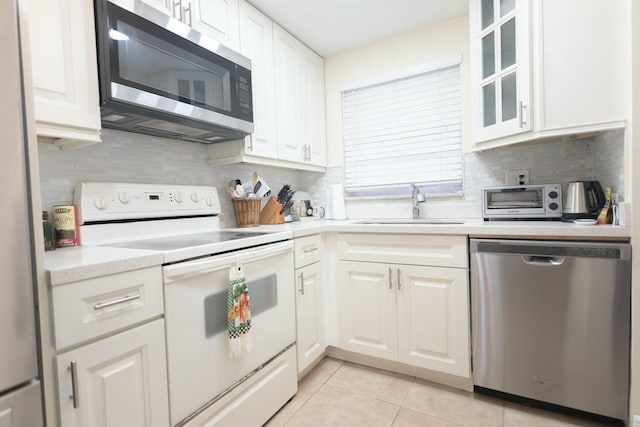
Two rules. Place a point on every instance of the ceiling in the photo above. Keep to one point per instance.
(333, 26)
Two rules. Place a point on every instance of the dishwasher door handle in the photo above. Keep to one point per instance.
(543, 261)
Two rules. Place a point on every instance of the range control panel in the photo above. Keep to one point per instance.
(108, 201)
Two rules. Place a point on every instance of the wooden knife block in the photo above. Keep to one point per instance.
(270, 214)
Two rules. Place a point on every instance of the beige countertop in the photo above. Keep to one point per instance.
(65, 265)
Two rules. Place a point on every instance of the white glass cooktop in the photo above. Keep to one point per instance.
(173, 243)
(182, 247)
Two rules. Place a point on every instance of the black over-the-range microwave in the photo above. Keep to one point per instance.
(161, 77)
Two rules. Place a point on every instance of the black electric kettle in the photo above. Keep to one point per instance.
(583, 199)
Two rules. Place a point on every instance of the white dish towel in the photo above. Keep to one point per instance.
(238, 312)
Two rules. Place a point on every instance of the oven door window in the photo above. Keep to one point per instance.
(152, 59)
(263, 294)
(515, 199)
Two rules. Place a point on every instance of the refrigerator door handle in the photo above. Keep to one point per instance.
(73, 367)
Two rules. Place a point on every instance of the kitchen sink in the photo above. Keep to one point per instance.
(419, 221)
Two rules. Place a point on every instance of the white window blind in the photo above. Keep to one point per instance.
(402, 131)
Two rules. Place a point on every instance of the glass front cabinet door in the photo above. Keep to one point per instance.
(500, 68)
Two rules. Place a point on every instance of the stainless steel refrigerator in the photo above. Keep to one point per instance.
(20, 396)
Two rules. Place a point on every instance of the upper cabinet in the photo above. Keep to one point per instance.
(62, 50)
(501, 64)
(299, 81)
(217, 19)
(288, 99)
(541, 69)
(256, 43)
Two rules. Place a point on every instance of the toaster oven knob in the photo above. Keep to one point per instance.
(195, 198)
(177, 197)
(553, 195)
(553, 206)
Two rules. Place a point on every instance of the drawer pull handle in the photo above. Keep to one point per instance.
(73, 367)
(124, 299)
(306, 251)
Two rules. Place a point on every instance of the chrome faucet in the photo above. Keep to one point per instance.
(416, 197)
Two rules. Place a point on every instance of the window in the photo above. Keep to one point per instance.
(402, 130)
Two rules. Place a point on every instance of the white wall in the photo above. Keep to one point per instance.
(443, 40)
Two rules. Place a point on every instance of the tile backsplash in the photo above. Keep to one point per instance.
(128, 157)
(600, 157)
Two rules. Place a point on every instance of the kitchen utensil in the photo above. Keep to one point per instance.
(584, 199)
(286, 206)
(282, 193)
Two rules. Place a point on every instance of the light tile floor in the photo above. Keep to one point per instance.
(337, 393)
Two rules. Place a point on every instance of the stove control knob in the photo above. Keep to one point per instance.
(177, 197)
(195, 197)
(209, 201)
(101, 202)
(124, 197)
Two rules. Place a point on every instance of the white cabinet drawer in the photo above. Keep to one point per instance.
(308, 249)
(91, 308)
(417, 249)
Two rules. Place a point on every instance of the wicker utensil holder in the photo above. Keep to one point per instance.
(247, 212)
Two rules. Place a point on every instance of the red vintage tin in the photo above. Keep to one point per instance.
(65, 219)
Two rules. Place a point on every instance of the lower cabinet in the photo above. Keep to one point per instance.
(413, 314)
(310, 334)
(309, 318)
(117, 381)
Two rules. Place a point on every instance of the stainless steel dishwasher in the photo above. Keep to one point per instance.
(551, 322)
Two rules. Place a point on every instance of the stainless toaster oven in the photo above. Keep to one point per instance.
(522, 202)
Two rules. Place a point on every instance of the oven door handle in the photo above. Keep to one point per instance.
(200, 266)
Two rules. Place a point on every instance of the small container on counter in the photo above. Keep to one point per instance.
(49, 232)
(65, 219)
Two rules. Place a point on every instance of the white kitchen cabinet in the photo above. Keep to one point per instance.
(109, 350)
(576, 59)
(288, 112)
(399, 311)
(500, 69)
(163, 5)
(309, 315)
(299, 82)
(368, 314)
(118, 381)
(310, 334)
(62, 49)
(217, 19)
(256, 43)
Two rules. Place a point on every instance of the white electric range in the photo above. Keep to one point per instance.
(206, 385)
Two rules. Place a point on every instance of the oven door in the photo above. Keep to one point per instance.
(200, 368)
